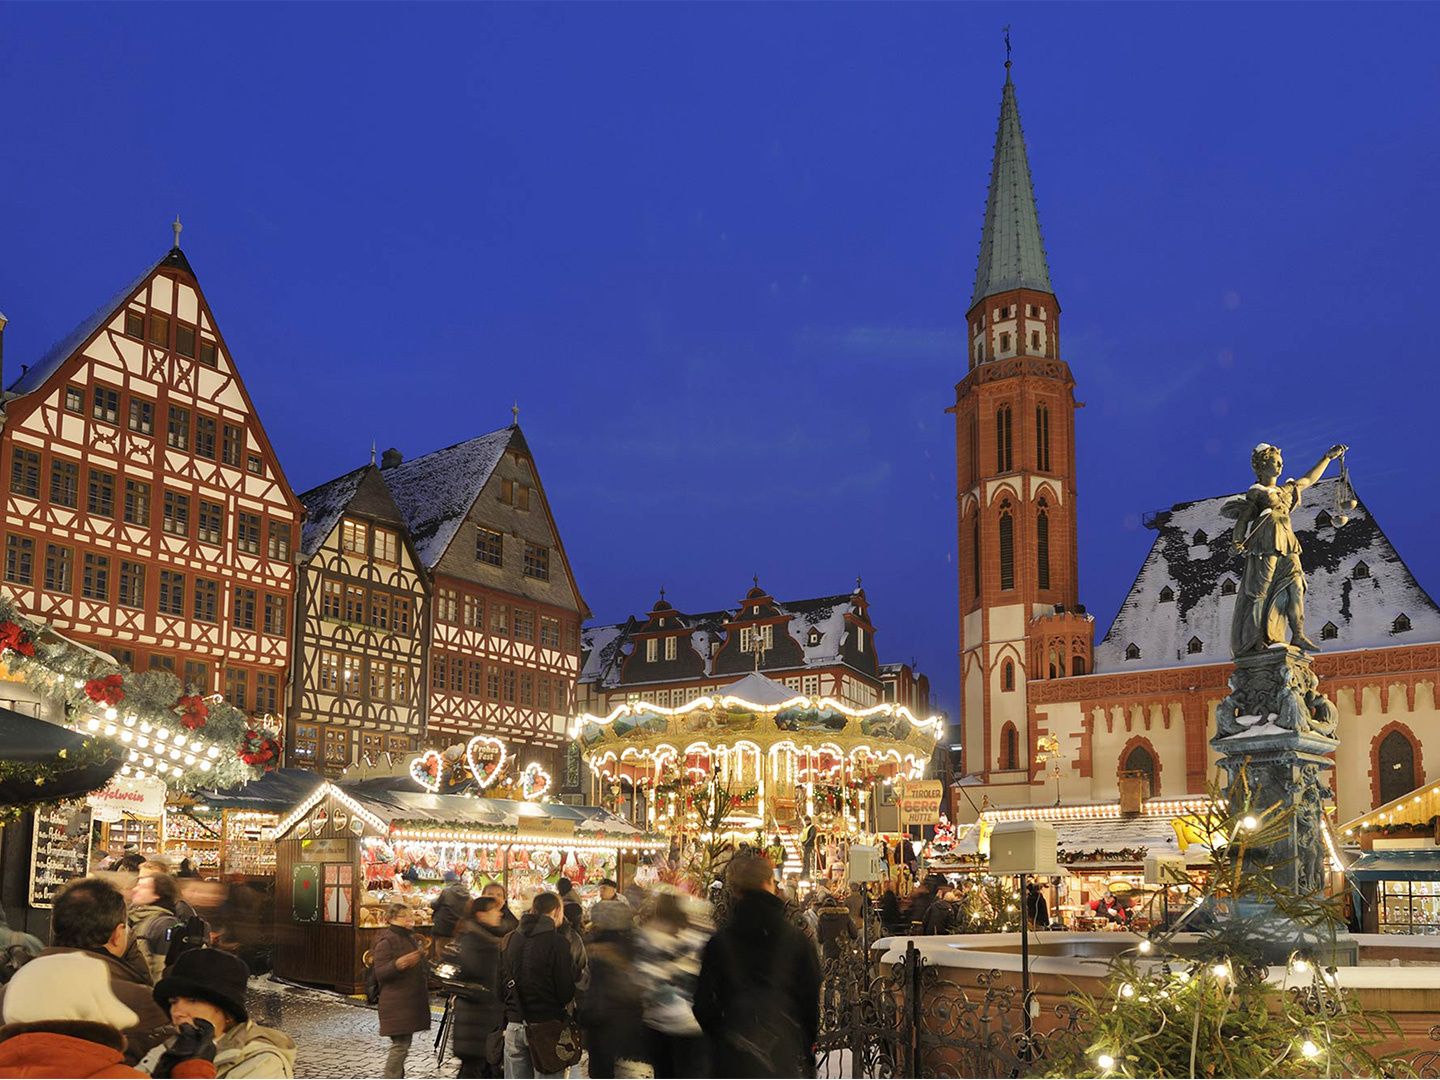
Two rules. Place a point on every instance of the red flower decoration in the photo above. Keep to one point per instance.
(258, 748)
(15, 638)
(106, 690)
(194, 711)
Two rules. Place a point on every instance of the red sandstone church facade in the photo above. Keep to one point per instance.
(1142, 700)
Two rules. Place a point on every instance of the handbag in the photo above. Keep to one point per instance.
(554, 1045)
(495, 1048)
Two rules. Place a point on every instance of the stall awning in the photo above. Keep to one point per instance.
(1420, 864)
(276, 791)
(87, 764)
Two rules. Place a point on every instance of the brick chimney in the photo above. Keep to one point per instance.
(390, 458)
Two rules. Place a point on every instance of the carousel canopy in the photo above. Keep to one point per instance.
(757, 714)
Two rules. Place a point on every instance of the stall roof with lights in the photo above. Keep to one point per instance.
(277, 791)
(1415, 810)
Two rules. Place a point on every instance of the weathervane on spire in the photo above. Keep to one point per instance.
(176, 227)
(1007, 47)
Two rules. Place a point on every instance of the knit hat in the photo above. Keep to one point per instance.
(207, 975)
(66, 986)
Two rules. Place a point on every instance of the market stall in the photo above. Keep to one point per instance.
(754, 758)
(1394, 861)
(346, 852)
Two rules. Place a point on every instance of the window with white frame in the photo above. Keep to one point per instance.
(672, 647)
(652, 650)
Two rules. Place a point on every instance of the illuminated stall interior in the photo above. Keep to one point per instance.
(1395, 862)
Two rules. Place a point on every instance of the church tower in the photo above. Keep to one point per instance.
(1015, 468)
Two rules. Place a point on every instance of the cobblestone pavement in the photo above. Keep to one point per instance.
(338, 1036)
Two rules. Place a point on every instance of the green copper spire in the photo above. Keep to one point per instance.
(1012, 253)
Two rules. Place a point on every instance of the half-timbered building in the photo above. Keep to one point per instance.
(146, 513)
(505, 612)
(360, 629)
(820, 647)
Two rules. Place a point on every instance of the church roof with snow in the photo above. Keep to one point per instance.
(435, 492)
(817, 626)
(1360, 595)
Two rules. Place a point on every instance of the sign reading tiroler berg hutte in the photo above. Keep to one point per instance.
(919, 801)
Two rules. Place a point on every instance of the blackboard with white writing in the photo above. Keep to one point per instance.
(60, 850)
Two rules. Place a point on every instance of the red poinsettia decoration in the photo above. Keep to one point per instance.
(193, 711)
(15, 638)
(259, 748)
(106, 690)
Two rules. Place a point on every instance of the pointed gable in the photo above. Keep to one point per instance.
(1357, 584)
(435, 492)
(1012, 251)
(324, 507)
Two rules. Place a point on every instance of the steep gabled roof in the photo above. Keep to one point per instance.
(1194, 569)
(435, 492)
(35, 375)
(324, 506)
(1012, 251)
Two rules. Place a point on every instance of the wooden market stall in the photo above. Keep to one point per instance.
(1396, 869)
(346, 852)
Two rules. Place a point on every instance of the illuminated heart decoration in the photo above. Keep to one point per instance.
(534, 781)
(424, 773)
(486, 756)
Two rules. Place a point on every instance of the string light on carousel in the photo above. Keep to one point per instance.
(751, 765)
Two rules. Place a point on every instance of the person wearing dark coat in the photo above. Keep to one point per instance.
(450, 907)
(835, 927)
(891, 920)
(480, 1010)
(570, 902)
(539, 980)
(920, 900)
(400, 968)
(940, 915)
(508, 919)
(610, 1006)
(1036, 907)
(758, 996)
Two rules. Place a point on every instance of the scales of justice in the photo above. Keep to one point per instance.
(1276, 731)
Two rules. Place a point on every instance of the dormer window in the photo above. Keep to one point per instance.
(652, 650)
(672, 646)
(756, 638)
(860, 638)
(1329, 632)
(1400, 625)
(1194, 645)
(1167, 595)
(1132, 651)
(814, 637)
(1360, 572)
(1227, 587)
(1322, 519)
(1199, 538)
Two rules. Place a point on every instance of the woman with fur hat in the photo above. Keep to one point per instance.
(208, 984)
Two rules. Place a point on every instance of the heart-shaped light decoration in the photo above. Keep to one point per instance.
(428, 770)
(486, 756)
(534, 781)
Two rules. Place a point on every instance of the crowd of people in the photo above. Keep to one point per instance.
(640, 984)
(130, 985)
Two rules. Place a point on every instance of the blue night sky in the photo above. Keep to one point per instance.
(722, 254)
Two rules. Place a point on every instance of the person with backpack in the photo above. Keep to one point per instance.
(399, 970)
(152, 919)
(539, 994)
(758, 996)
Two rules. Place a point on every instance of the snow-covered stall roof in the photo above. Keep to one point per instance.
(435, 492)
(324, 506)
(1101, 844)
(1358, 584)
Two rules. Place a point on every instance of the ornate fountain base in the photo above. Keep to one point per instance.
(1275, 733)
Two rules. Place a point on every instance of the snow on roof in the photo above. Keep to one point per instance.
(1192, 558)
(324, 505)
(435, 492)
(34, 375)
(612, 642)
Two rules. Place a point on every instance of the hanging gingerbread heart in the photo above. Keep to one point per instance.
(534, 782)
(486, 757)
(428, 770)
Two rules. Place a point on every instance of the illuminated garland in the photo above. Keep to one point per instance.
(104, 699)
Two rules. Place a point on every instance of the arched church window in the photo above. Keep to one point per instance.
(1007, 548)
(1329, 632)
(1007, 675)
(1395, 765)
(1042, 436)
(1077, 665)
(1167, 595)
(1132, 651)
(1042, 547)
(1400, 625)
(1227, 587)
(1009, 747)
(1140, 760)
(1004, 454)
(1194, 645)
(1362, 570)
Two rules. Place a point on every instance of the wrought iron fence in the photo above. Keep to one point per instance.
(906, 1019)
(1427, 1062)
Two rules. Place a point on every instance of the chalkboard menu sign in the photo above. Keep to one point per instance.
(60, 850)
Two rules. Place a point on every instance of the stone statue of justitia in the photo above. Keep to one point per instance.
(1270, 604)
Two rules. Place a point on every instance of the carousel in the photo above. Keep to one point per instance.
(755, 758)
